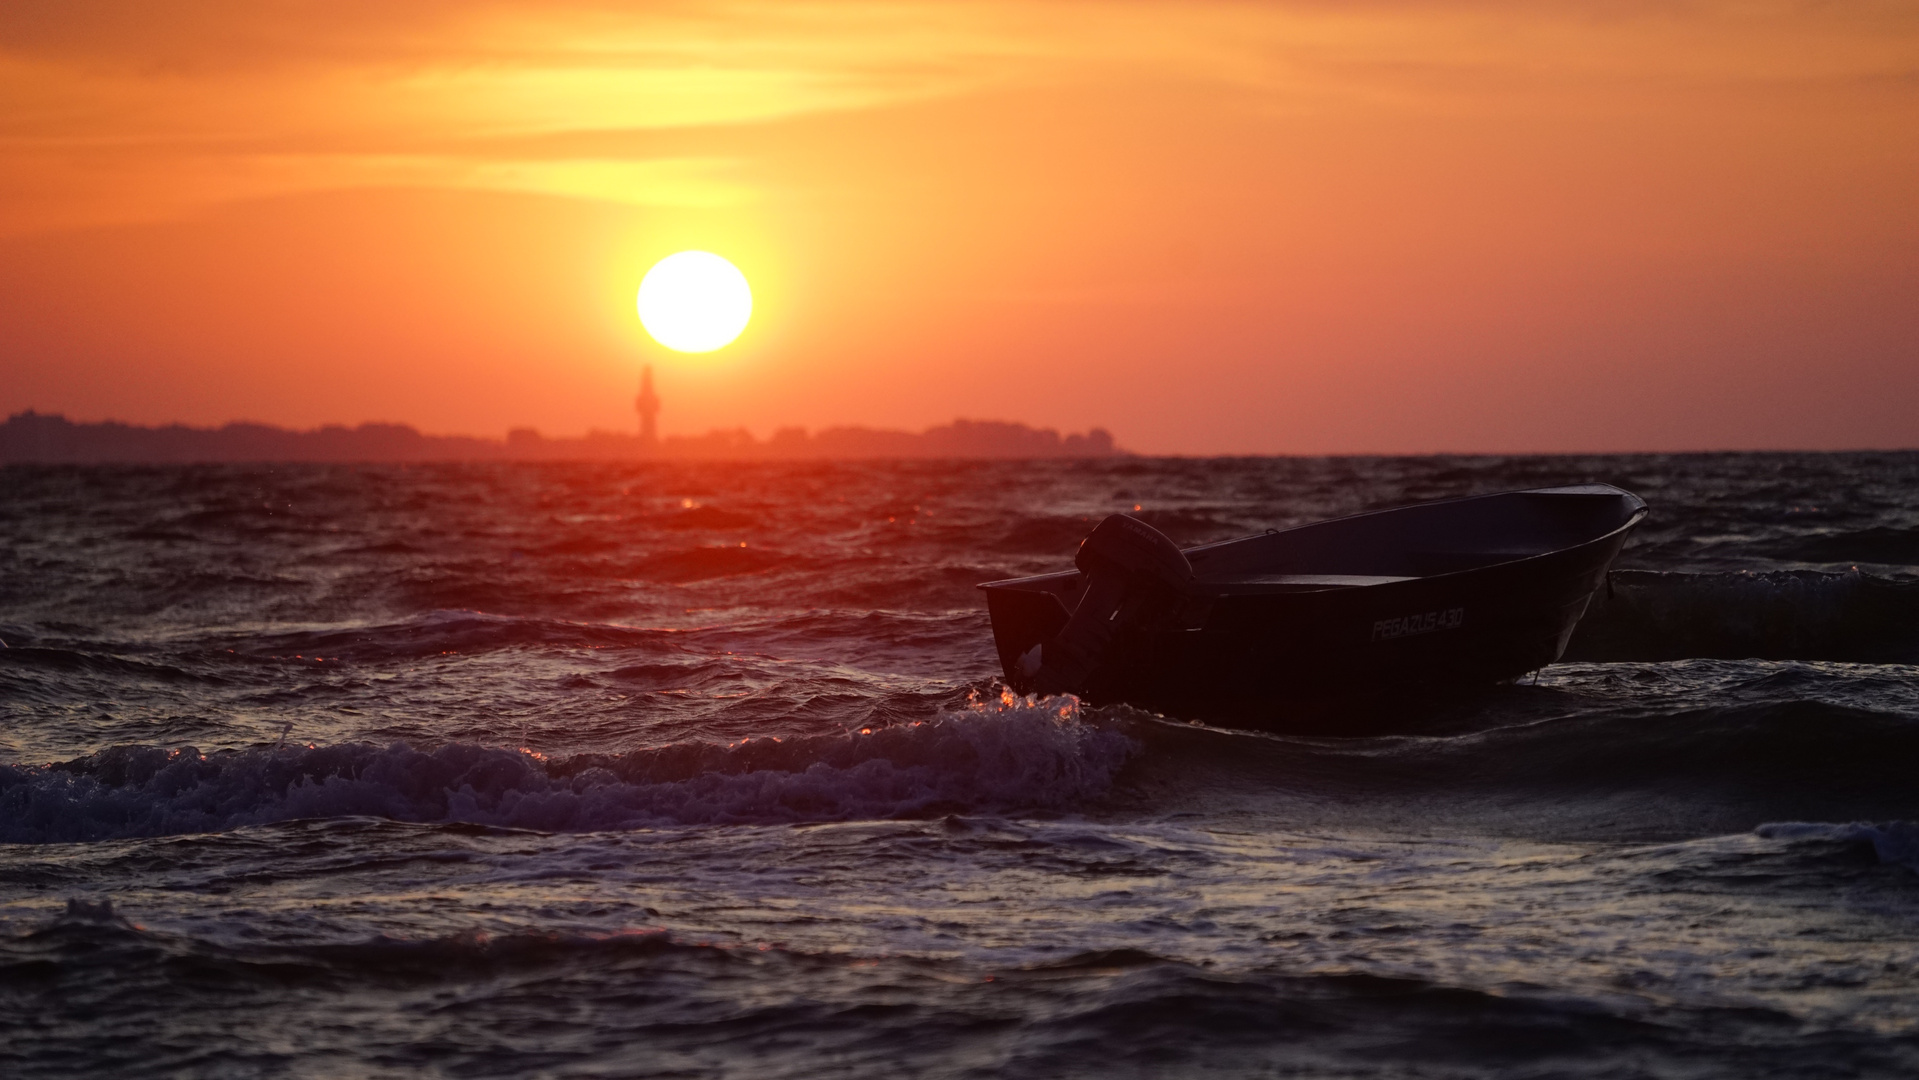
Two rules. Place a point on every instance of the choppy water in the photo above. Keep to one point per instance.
(704, 771)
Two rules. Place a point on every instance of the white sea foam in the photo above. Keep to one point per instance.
(1004, 755)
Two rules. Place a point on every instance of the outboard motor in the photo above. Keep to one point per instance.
(1135, 576)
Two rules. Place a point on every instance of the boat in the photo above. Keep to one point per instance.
(1345, 626)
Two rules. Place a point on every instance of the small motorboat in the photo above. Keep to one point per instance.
(1313, 628)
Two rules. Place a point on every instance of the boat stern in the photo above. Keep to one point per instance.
(1026, 612)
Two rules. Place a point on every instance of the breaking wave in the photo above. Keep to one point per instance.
(995, 756)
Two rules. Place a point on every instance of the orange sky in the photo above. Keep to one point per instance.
(1236, 227)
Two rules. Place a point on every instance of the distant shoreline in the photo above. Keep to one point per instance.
(30, 437)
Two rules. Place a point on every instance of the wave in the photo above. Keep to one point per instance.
(452, 631)
(70, 662)
(1623, 770)
(712, 561)
(1879, 544)
(1055, 535)
(212, 661)
(221, 659)
(989, 757)
(1892, 842)
(1770, 758)
(1782, 615)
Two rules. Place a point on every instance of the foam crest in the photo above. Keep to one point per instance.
(992, 756)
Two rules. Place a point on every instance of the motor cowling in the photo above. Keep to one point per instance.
(1135, 578)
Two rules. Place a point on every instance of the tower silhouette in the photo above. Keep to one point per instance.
(648, 405)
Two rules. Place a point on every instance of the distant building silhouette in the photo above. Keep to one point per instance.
(648, 404)
(34, 437)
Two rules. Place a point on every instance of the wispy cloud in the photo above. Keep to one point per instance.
(141, 108)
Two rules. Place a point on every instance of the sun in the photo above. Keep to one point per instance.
(694, 302)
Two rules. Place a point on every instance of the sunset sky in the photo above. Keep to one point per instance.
(1211, 227)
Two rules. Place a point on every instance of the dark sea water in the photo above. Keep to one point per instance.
(705, 770)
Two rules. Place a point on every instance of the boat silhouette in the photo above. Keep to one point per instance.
(1331, 627)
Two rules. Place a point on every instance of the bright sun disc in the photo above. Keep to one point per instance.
(694, 301)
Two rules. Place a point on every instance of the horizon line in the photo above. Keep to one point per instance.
(740, 444)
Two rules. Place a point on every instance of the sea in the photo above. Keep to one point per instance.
(707, 770)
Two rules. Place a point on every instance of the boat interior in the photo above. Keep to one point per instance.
(1422, 540)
